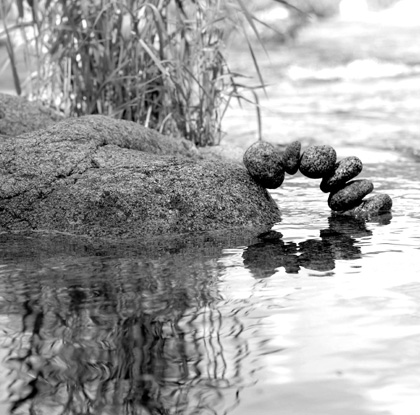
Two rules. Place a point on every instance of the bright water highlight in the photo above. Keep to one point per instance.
(323, 320)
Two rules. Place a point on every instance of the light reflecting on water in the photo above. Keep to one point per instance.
(347, 343)
(324, 319)
(110, 335)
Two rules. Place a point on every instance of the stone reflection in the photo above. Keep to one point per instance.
(338, 241)
(110, 336)
(264, 257)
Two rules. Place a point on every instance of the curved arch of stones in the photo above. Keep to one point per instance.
(268, 166)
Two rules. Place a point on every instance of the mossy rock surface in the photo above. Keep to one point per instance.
(19, 116)
(100, 177)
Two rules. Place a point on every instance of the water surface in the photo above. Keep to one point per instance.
(321, 316)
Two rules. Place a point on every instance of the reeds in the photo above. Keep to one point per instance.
(159, 62)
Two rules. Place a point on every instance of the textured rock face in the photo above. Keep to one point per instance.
(291, 157)
(374, 205)
(101, 177)
(345, 170)
(317, 161)
(265, 164)
(351, 195)
(19, 116)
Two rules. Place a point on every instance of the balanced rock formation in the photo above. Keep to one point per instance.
(346, 196)
(101, 177)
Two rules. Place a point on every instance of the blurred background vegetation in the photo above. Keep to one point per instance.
(161, 63)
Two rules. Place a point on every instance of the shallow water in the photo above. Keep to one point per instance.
(323, 320)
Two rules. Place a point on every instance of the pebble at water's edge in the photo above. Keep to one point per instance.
(344, 170)
(378, 203)
(350, 196)
(317, 161)
(265, 164)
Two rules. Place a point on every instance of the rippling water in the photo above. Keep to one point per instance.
(324, 319)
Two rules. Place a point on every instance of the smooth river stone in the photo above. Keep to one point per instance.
(344, 170)
(291, 157)
(376, 204)
(317, 161)
(265, 164)
(350, 196)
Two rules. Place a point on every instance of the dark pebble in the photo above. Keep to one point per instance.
(344, 170)
(376, 204)
(318, 161)
(350, 195)
(264, 164)
(291, 157)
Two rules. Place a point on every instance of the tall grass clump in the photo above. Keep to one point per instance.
(159, 62)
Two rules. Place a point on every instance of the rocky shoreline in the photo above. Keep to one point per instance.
(100, 177)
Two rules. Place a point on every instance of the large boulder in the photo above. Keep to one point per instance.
(19, 116)
(101, 177)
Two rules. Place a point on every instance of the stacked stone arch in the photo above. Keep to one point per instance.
(268, 166)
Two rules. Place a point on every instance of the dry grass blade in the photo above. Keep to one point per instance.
(250, 18)
(153, 57)
(13, 63)
(255, 61)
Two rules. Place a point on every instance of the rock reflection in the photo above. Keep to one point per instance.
(110, 336)
(125, 332)
(263, 258)
(316, 255)
(337, 242)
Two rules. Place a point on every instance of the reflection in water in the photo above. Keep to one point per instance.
(336, 242)
(112, 336)
(135, 334)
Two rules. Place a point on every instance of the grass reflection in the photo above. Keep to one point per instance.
(95, 340)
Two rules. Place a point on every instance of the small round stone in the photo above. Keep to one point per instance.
(317, 161)
(291, 157)
(350, 195)
(344, 170)
(264, 164)
(376, 204)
